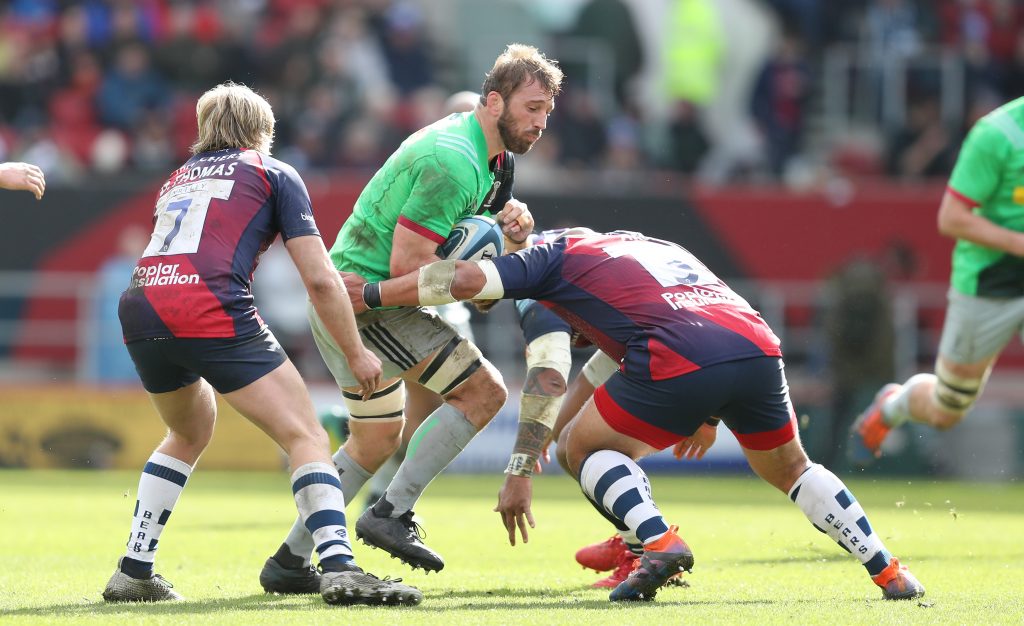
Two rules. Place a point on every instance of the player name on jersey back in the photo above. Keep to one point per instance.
(214, 217)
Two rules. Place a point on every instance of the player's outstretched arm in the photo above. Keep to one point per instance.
(516, 495)
(23, 176)
(443, 282)
(327, 293)
(958, 220)
(548, 361)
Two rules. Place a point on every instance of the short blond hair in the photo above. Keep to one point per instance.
(233, 116)
(520, 64)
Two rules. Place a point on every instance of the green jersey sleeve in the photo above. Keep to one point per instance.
(439, 196)
(979, 168)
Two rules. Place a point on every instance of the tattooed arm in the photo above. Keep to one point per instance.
(538, 408)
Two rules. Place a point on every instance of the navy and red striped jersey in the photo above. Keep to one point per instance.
(214, 217)
(648, 303)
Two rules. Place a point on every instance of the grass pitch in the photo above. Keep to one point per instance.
(757, 558)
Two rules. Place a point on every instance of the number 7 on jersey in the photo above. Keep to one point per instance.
(181, 214)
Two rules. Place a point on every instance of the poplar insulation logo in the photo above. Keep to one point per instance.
(161, 274)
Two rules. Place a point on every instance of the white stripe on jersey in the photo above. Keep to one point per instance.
(470, 155)
(458, 139)
(1009, 127)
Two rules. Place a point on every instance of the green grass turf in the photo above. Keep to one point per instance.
(757, 558)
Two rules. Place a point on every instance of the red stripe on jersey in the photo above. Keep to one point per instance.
(187, 308)
(622, 421)
(258, 163)
(666, 363)
(591, 333)
(422, 231)
(639, 296)
(956, 194)
(743, 322)
(771, 439)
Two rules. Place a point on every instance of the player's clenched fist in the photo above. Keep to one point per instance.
(516, 221)
(22, 176)
(366, 368)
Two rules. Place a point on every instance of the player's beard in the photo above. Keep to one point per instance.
(516, 143)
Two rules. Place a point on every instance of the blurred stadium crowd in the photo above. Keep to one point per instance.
(110, 86)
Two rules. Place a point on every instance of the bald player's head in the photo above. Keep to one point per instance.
(461, 102)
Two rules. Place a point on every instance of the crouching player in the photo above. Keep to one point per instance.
(191, 328)
(545, 407)
(689, 348)
(548, 361)
(618, 553)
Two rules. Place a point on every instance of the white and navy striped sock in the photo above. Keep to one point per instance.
(162, 480)
(613, 481)
(321, 505)
(297, 549)
(628, 536)
(833, 510)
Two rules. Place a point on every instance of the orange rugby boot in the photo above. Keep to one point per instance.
(869, 430)
(897, 583)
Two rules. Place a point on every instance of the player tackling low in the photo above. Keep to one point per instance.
(983, 209)
(688, 348)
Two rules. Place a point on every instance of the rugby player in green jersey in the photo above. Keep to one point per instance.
(439, 175)
(983, 209)
(420, 402)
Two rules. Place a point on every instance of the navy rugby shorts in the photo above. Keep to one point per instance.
(751, 396)
(227, 363)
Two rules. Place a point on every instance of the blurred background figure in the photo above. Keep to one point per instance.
(780, 101)
(130, 89)
(859, 333)
(924, 148)
(281, 299)
(108, 359)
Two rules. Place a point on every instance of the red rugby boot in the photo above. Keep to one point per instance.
(603, 556)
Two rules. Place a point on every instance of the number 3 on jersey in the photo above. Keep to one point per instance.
(181, 214)
(670, 265)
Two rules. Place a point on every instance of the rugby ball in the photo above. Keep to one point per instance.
(473, 239)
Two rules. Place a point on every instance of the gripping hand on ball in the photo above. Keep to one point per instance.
(516, 221)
